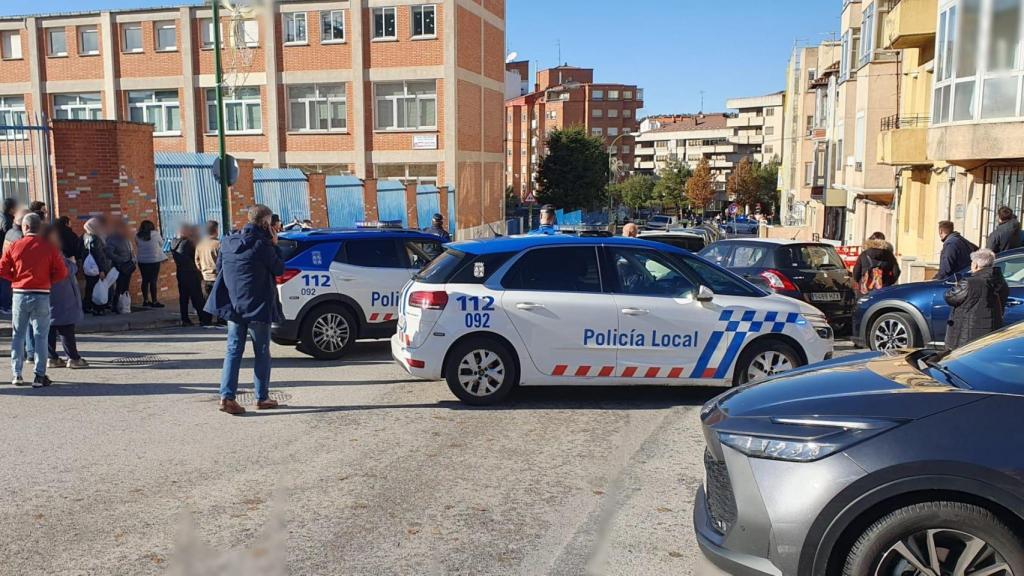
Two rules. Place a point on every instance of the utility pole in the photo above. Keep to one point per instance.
(225, 212)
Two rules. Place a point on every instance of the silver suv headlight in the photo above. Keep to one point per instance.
(806, 439)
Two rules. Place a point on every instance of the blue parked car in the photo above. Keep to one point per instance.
(742, 225)
(914, 315)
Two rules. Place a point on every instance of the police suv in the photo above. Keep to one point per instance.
(342, 285)
(546, 310)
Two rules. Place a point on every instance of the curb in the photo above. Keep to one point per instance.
(114, 323)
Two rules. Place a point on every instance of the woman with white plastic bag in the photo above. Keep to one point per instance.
(96, 266)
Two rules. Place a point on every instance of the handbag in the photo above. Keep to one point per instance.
(90, 268)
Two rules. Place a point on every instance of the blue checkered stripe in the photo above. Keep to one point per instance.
(724, 344)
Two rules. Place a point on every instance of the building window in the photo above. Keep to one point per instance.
(613, 94)
(12, 113)
(423, 25)
(10, 45)
(56, 42)
(808, 173)
(77, 106)
(88, 41)
(597, 95)
(242, 111)
(613, 131)
(408, 173)
(14, 183)
(613, 113)
(159, 108)
(406, 105)
(384, 24)
(627, 95)
(131, 37)
(552, 115)
(769, 130)
(166, 36)
(597, 113)
(597, 131)
(867, 34)
(769, 149)
(206, 33)
(245, 33)
(860, 141)
(317, 107)
(627, 113)
(332, 26)
(295, 28)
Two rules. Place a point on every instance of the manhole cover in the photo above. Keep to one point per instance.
(248, 398)
(138, 360)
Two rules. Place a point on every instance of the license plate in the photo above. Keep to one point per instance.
(826, 296)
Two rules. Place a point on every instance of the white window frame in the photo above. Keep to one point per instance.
(137, 26)
(627, 113)
(596, 113)
(393, 101)
(13, 113)
(869, 21)
(49, 42)
(330, 16)
(422, 8)
(597, 94)
(627, 94)
(81, 32)
(245, 33)
(307, 103)
(231, 99)
(164, 25)
(290, 29)
(93, 110)
(10, 44)
(613, 131)
(206, 34)
(613, 94)
(165, 108)
(613, 113)
(384, 11)
(14, 182)
(597, 131)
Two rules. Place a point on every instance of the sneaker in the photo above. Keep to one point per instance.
(156, 305)
(231, 407)
(41, 381)
(77, 363)
(18, 381)
(187, 324)
(55, 363)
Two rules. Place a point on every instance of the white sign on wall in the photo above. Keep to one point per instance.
(424, 142)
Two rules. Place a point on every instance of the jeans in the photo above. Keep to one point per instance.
(260, 334)
(30, 310)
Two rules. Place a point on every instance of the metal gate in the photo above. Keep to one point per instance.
(25, 172)
(1006, 188)
(428, 203)
(344, 201)
(186, 190)
(391, 202)
(283, 190)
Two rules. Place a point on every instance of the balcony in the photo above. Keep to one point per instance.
(747, 139)
(910, 24)
(645, 150)
(903, 140)
(744, 121)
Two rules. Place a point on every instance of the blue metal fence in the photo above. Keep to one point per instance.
(452, 223)
(345, 201)
(283, 190)
(574, 218)
(391, 201)
(186, 190)
(428, 203)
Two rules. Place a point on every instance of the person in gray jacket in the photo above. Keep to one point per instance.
(119, 250)
(65, 312)
(150, 254)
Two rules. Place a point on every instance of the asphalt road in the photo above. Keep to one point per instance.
(128, 468)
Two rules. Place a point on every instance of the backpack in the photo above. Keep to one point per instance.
(875, 276)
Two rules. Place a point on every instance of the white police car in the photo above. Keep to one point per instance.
(546, 310)
(340, 286)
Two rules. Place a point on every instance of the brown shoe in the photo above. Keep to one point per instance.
(231, 407)
(267, 404)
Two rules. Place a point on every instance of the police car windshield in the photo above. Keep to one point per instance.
(441, 268)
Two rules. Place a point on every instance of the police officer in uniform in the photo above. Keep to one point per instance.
(437, 228)
(547, 222)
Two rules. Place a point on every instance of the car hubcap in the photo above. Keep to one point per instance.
(891, 335)
(481, 372)
(768, 364)
(330, 332)
(942, 553)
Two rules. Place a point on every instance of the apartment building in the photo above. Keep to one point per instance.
(758, 123)
(407, 90)
(567, 96)
(800, 207)
(689, 139)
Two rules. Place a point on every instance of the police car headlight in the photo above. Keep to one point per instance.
(806, 439)
(816, 319)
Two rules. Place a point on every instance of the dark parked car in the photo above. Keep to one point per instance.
(687, 240)
(905, 465)
(808, 271)
(914, 315)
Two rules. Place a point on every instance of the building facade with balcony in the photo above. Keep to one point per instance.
(758, 123)
(563, 97)
(407, 90)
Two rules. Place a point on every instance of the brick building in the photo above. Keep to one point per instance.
(407, 90)
(562, 97)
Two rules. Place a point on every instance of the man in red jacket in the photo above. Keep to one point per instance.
(31, 265)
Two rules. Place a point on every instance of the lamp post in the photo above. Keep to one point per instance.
(612, 160)
(225, 212)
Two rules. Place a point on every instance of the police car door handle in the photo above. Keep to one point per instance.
(346, 278)
(529, 306)
(635, 311)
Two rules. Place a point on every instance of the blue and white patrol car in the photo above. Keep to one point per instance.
(547, 310)
(342, 285)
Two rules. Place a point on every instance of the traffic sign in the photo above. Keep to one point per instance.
(232, 169)
(733, 209)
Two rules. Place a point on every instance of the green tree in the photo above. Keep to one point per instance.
(574, 171)
(670, 188)
(743, 184)
(700, 188)
(634, 192)
(767, 177)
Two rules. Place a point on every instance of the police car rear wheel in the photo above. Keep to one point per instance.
(481, 372)
(763, 360)
(328, 333)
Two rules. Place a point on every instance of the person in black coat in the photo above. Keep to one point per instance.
(977, 301)
(70, 244)
(1006, 236)
(877, 254)
(956, 251)
(190, 287)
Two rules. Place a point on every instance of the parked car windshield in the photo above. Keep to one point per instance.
(992, 363)
(811, 257)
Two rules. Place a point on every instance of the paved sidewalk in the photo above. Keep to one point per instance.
(139, 319)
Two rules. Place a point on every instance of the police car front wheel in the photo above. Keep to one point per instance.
(328, 332)
(764, 359)
(481, 371)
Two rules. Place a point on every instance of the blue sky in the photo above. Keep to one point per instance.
(673, 49)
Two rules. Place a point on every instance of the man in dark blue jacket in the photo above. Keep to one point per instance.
(245, 295)
(956, 251)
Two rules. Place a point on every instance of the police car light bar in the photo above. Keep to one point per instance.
(380, 224)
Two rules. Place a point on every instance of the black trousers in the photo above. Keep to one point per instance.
(124, 279)
(150, 274)
(190, 290)
(67, 339)
(87, 304)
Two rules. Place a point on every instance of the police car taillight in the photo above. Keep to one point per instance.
(288, 275)
(428, 300)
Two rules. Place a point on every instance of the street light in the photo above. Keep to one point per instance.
(612, 160)
(225, 212)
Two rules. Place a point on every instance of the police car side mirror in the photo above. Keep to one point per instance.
(705, 294)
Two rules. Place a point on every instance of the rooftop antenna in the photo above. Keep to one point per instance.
(558, 43)
(701, 101)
